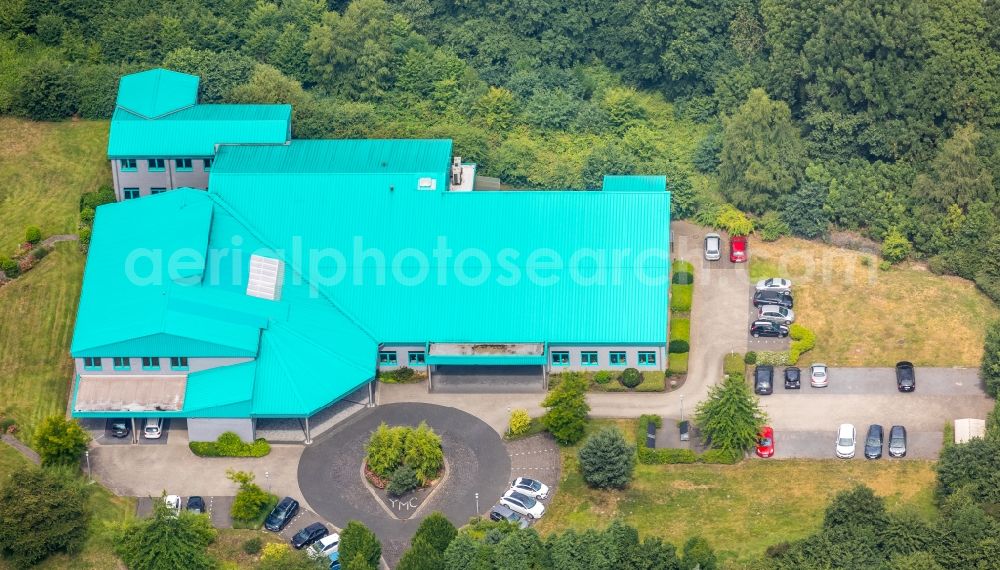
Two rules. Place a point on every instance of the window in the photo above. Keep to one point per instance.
(127, 165)
(647, 358)
(183, 164)
(416, 358)
(92, 363)
(156, 165)
(588, 358)
(150, 363)
(155, 191)
(618, 358)
(207, 164)
(387, 357)
(178, 363)
(560, 358)
(121, 363)
(130, 193)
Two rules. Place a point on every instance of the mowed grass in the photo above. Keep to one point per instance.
(44, 167)
(741, 509)
(863, 316)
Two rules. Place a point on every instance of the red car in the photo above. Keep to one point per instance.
(765, 443)
(738, 249)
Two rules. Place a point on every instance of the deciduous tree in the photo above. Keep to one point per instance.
(566, 418)
(60, 441)
(42, 511)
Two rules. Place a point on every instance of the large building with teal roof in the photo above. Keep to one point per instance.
(309, 266)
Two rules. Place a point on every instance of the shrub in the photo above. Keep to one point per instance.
(772, 227)
(733, 221)
(91, 200)
(682, 278)
(895, 246)
(884, 265)
(252, 546)
(680, 298)
(39, 253)
(680, 329)
(520, 422)
(60, 441)
(9, 267)
(679, 346)
(566, 418)
(251, 503)
(42, 511)
(630, 378)
(685, 266)
(602, 377)
(750, 358)
(678, 363)
(87, 215)
(720, 457)
(403, 480)
(803, 340)
(666, 456)
(357, 541)
(698, 554)
(33, 234)
(85, 234)
(437, 531)
(385, 449)
(989, 368)
(865, 262)
(400, 375)
(423, 453)
(229, 444)
(607, 461)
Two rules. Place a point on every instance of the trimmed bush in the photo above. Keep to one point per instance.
(750, 358)
(666, 456)
(679, 346)
(404, 480)
(230, 445)
(681, 265)
(678, 363)
(803, 340)
(602, 377)
(720, 457)
(680, 329)
(630, 378)
(402, 375)
(680, 298)
(33, 234)
(682, 278)
(101, 196)
(520, 422)
(9, 267)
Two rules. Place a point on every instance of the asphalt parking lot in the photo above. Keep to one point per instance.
(805, 420)
(218, 509)
(763, 343)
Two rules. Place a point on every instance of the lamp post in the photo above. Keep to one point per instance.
(267, 477)
(682, 407)
(477, 504)
(90, 474)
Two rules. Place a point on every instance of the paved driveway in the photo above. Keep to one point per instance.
(805, 420)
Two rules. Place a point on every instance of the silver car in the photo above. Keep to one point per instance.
(818, 377)
(777, 314)
(847, 439)
(713, 247)
(774, 284)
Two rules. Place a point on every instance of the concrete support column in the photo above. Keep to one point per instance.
(308, 435)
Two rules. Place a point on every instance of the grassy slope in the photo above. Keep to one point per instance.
(866, 317)
(741, 509)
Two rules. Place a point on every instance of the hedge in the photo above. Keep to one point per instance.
(682, 278)
(678, 363)
(680, 298)
(681, 266)
(678, 347)
(680, 329)
(230, 445)
(720, 457)
(666, 456)
(772, 358)
(803, 340)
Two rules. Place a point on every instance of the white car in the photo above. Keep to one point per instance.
(523, 504)
(530, 487)
(324, 546)
(818, 377)
(776, 313)
(847, 438)
(774, 284)
(173, 503)
(713, 247)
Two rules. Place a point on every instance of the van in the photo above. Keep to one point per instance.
(152, 428)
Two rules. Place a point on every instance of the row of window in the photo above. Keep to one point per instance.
(615, 358)
(125, 363)
(389, 358)
(160, 164)
(133, 193)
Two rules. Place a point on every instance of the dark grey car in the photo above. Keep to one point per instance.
(503, 513)
(873, 443)
(763, 380)
(793, 378)
(897, 441)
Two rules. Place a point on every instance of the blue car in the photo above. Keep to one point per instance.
(335, 560)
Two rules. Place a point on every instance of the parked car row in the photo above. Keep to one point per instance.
(819, 377)
(152, 428)
(315, 538)
(773, 300)
(737, 248)
(847, 439)
(522, 502)
(195, 504)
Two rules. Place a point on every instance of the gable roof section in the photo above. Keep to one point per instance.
(157, 92)
(631, 183)
(197, 130)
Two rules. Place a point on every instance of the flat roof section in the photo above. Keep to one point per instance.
(130, 393)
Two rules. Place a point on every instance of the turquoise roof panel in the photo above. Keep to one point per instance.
(220, 392)
(157, 92)
(631, 183)
(197, 130)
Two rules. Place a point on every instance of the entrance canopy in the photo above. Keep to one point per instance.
(130, 393)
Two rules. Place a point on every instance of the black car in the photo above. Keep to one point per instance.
(780, 298)
(897, 441)
(873, 443)
(768, 328)
(763, 380)
(906, 380)
(793, 378)
(196, 504)
(119, 428)
(281, 515)
(309, 535)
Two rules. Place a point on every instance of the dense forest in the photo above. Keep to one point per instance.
(873, 116)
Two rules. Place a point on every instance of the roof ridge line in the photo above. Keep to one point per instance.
(243, 222)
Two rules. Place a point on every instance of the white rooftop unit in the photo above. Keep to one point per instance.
(266, 277)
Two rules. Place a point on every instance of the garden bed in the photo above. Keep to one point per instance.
(652, 381)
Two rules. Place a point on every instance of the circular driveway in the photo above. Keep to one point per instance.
(331, 481)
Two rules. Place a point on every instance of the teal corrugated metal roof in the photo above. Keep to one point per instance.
(635, 183)
(197, 130)
(220, 392)
(156, 92)
(368, 157)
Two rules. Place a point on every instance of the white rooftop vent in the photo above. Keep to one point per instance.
(266, 277)
(426, 184)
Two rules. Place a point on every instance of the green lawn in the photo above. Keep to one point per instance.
(741, 509)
